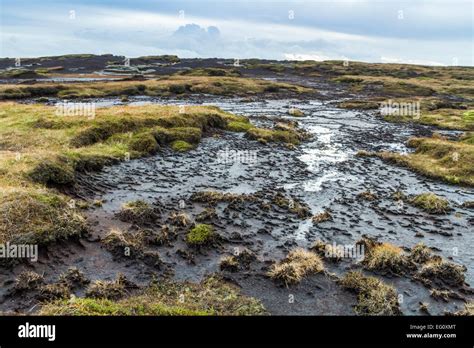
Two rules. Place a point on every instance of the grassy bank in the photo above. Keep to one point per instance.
(166, 86)
(210, 297)
(41, 151)
(450, 161)
(430, 88)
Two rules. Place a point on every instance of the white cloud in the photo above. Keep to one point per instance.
(409, 61)
(132, 32)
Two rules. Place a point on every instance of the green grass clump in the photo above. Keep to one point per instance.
(238, 126)
(274, 136)
(181, 146)
(431, 203)
(105, 307)
(373, 296)
(143, 143)
(163, 136)
(53, 173)
(348, 79)
(201, 234)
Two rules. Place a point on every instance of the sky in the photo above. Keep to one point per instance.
(432, 32)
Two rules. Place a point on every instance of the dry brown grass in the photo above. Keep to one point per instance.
(441, 271)
(138, 212)
(170, 85)
(373, 296)
(28, 280)
(295, 266)
(450, 161)
(385, 257)
(321, 217)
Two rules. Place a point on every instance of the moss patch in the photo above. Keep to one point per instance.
(200, 235)
(239, 126)
(181, 146)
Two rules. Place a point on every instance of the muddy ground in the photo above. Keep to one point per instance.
(323, 173)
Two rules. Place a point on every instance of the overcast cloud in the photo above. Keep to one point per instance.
(423, 32)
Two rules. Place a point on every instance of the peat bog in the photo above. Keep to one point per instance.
(196, 187)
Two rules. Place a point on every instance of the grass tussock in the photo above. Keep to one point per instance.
(123, 244)
(442, 271)
(321, 217)
(165, 86)
(111, 290)
(438, 158)
(430, 203)
(54, 291)
(138, 212)
(438, 113)
(214, 197)
(294, 206)
(239, 126)
(240, 260)
(468, 309)
(28, 280)
(385, 257)
(201, 235)
(38, 218)
(373, 296)
(179, 219)
(73, 277)
(207, 214)
(420, 253)
(289, 136)
(212, 296)
(295, 266)
(229, 263)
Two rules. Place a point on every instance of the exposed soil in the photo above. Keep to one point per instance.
(323, 173)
